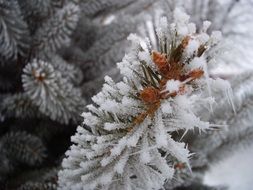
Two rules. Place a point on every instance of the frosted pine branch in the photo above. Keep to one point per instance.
(69, 71)
(57, 30)
(54, 95)
(224, 15)
(14, 35)
(131, 122)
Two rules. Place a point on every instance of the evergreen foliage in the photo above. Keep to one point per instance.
(131, 122)
(37, 84)
(54, 95)
(37, 186)
(24, 148)
(54, 55)
(20, 148)
(14, 34)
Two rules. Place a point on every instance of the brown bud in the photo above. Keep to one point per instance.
(39, 77)
(159, 59)
(150, 95)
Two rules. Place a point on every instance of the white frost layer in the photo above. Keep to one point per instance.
(172, 85)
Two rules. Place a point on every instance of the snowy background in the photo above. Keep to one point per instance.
(234, 171)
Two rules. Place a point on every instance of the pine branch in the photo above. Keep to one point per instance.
(96, 48)
(17, 106)
(94, 8)
(130, 144)
(35, 12)
(55, 33)
(38, 186)
(71, 72)
(102, 9)
(20, 147)
(14, 35)
(224, 16)
(54, 95)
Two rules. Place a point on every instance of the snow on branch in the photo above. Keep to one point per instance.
(130, 144)
(54, 95)
(57, 30)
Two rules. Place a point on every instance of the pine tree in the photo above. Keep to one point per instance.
(130, 144)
